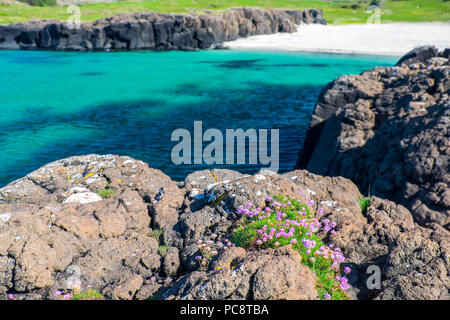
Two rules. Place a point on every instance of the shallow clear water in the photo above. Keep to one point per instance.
(58, 104)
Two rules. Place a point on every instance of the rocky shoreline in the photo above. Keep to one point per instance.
(141, 239)
(154, 31)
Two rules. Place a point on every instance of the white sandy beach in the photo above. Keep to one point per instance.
(394, 39)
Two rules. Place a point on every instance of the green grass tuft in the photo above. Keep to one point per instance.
(335, 11)
(91, 294)
(246, 236)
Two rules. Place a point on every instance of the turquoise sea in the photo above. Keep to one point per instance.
(58, 104)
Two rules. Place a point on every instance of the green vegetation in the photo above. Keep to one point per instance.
(364, 203)
(40, 3)
(107, 193)
(286, 221)
(335, 11)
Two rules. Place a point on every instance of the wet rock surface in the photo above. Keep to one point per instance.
(154, 31)
(387, 130)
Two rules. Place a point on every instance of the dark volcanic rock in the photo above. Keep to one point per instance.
(388, 131)
(154, 31)
(380, 236)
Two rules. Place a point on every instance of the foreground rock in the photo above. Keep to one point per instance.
(154, 31)
(388, 131)
(142, 240)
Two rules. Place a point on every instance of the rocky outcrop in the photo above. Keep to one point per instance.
(417, 266)
(142, 240)
(154, 31)
(388, 131)
(50, 238)
(274, 274)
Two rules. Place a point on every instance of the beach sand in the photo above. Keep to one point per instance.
(393, 39)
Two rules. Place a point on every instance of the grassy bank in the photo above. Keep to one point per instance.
(335, 11)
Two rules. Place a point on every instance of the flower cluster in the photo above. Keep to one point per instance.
(209, 249)
(285, 221)
(63, 295)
